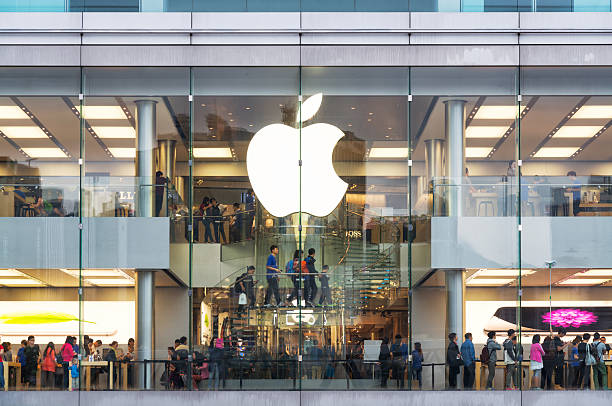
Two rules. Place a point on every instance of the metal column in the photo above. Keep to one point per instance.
(146, 141)
(454, 301)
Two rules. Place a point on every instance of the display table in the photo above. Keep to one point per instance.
(86, 367)
(479, 375)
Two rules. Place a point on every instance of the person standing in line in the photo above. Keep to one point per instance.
(310, 277)
(492, 347)
(535, 361)
(510, 358)
(600, 373)
(48, 367)
(67, 353)
(453, 360)
(574, 364)
(585, 368)
(325, 291)
(417, 364)
(559, 357)
(469, 366)
(272, 273)
(247, 285)
(32, 354)
(398, 362)
(549, 363)
(236, 224)
(384, 358)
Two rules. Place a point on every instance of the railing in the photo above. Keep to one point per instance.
(533, 197)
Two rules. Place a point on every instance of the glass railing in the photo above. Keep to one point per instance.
(535, 196)
(305, 6)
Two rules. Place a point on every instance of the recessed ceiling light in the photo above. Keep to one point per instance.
(370, 113)
(45, 152)
(123, 152)
(350, 125)
(231, 120)
(555, 152)
(19, 282)
(103, 112)
(378, 152)
(110, 281)
(369, 120)
(10, 272)
(389, 128)
(353, 108)
(596, 272)
(23, 132)
(485, 131)
(497, 112)
(583, 281)
(203, 105)
(12, 113)
(212, 153)
(477, 152)
(247, 108)
(490, 281)
(229, 114)
(115, 132)
(594, 112)
(577, 131)
(250, 125)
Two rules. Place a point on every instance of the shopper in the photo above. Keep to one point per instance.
(217, 221)
(584, 355)
(237, 224)
(559, 357)
(384, 357)
(510, 359)
(600, 373)
(310, 277)
(246, 285)
(74, 373)
(535, 363)
(325, 291)
(206, 214)
(397, 352)
(469, 365)
(32, 354)
(160, 188)
(293, 269)
(49, 362)
(272, 276)
(574, 364)
(453, 360)
(417, 364)
(492, 347)
(548, 360)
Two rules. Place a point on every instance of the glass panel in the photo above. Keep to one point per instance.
(354, 222)
(464, 245)
(39, 209)
(135, 277)
(566, 169)
(243, 207)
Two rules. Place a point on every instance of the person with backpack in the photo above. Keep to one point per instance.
(292, 269)
(535, 361)
(489, 356)
(469, 365)
(510, 359)
(584, 355)
(600, 374)
(417, 364)
(453, 360)
(548, 361)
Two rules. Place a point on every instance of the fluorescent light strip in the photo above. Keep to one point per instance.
(555, 152)
(23, 132)
(12, 113)
(602, 111)
(10, 272)
(491, 281)
(485, 131)
(123, 152)
(114, 132)
(477, 152)
(110, 281)
(212, 153)
(583, 281)
(94, 272)
(576, 131)
(19, 282)
(595, 272)
(497, 113)
(45, 152)
(378, 152)
(103, 113)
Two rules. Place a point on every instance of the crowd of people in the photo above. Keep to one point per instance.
(214, 216)
(58, 364)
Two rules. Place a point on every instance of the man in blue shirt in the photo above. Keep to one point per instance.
(469, 366)
(272, 272)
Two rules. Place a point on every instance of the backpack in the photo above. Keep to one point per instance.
(595, 353)
(237, 287)
(485, 355)
(289, 267)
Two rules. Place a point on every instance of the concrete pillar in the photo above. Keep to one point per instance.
(455, 154)
(434, 162)
(454, 301)
(146, 141)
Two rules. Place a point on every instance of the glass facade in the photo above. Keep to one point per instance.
(305, 6)
(304, 228)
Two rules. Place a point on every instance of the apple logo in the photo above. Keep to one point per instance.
(273, 165)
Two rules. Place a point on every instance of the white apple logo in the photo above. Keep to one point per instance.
(273, 165)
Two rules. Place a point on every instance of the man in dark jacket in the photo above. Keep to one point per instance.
(453, 360)
(310, 278)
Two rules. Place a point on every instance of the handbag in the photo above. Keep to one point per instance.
(589, 359)
(242, 299)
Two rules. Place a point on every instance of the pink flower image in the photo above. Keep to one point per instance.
(569, 317)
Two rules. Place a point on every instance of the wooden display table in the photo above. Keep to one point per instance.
(479, 375)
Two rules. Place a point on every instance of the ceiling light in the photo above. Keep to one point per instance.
(115, 132)
(583, 281)
(12, 112)
(594, 112)
(555, 152)
(94, 272)
(229, 114)
(250, 125)
(485, 131)
(477, 152)
(491, 281)
(247, 108)
(23, 132)
(10, 272)
(19, 282)
(110, 281)
(353, 108)
(503, 272)
(377, 152)
(577, 131)
(596, 272)
(123, 152)
(350, 125)
(103, 112)
(203, 105)
(45, 152)
(497, 113)
(212, 153)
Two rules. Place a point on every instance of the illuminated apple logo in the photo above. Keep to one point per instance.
(273, 165)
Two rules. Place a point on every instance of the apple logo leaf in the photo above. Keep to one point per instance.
(309, 108)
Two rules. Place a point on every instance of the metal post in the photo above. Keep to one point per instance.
(455, 153)
(146, 135)
(454, 309)
(550, 265)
